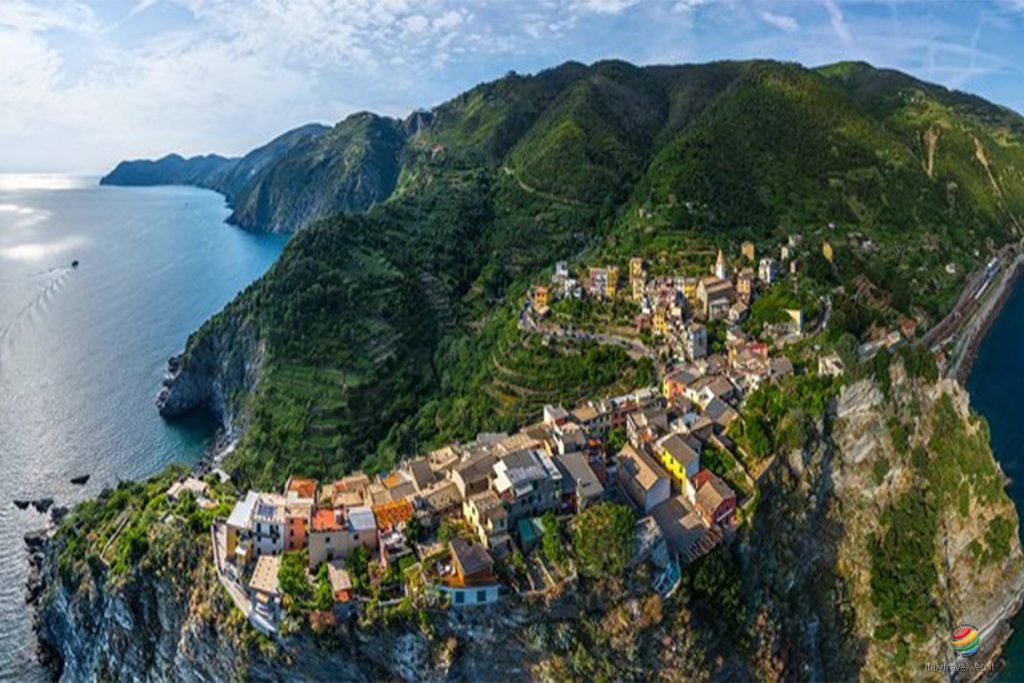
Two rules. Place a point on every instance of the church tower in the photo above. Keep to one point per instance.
(721, 267)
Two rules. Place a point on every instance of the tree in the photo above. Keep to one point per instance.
(323, 597)
(358, 566)
(551, 542)
(413, 529)
(603, 540)
(291, 575)
(448, 530)
(616, 439)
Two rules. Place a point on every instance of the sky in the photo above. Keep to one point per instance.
(85, 84)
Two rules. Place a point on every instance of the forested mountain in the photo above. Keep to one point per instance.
(172, 169)
(230, 177)
(381, 334)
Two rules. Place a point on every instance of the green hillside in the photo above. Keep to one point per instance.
(390, 332)
(347, 169)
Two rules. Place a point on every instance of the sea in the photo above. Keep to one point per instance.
(83, 349)
(995, 387)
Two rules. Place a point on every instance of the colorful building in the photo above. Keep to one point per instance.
(748, 250)
(611, 287)
(678, 458)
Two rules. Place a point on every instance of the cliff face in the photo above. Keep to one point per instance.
(175, 623)
(348, 169)
(220, 361)
(872, 544)
(812, 581)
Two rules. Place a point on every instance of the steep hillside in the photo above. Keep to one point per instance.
(347, 169)
(233, 180)
(378, 335)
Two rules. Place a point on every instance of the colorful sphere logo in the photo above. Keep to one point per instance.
(965, 640)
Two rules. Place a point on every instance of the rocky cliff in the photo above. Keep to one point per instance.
(869, 544)
(220, 363)
(873, 543)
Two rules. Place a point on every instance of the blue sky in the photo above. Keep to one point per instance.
(84, 84)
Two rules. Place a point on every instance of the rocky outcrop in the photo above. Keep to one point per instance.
(346, 170)
(220, 360)
(809, 559)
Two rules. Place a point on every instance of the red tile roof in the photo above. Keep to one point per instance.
(306, 488)
(326, 519)
(392, 513)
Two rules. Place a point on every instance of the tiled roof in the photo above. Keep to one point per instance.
(327, 519)
(472, 559)
(305, 488)
(264, 577)
(393, 513)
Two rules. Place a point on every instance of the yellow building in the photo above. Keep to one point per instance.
(826, 250)
(690, 289)
(638, 290)
(678, 458)
(660, 322)
(541, 297)
(748, 250)
(612, 283)
(636, 268)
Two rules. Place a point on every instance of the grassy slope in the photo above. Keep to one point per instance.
(393, 331)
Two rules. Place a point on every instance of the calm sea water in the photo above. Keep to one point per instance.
(82, 350)
(995, 385)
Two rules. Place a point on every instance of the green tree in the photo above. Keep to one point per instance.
(358, 566)
(603, 540)
(323, 597)
(551, 542)
(291, 575)
(616, 439)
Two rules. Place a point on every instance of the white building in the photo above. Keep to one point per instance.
(696, 342)
(268, 525)
(767, 270)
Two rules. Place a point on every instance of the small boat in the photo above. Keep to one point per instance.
(80, 481)
(74, 264)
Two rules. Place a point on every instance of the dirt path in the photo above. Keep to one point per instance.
(529, 189)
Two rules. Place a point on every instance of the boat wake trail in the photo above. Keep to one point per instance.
(34, 310)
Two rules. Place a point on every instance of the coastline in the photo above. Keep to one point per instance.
(982, 320)
(1000, 630)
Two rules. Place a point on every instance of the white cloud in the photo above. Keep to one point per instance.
(838, 21)
(28, 17)
(779, 21)
(606, 6)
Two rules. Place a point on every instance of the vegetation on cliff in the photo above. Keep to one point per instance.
(393, 331)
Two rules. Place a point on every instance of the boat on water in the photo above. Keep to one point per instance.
(74, 264)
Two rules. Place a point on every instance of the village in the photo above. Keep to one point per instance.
(475, 523)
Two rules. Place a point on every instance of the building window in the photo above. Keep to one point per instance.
(355, 537)
(460, 597)
(481, 596)
(327, 540)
